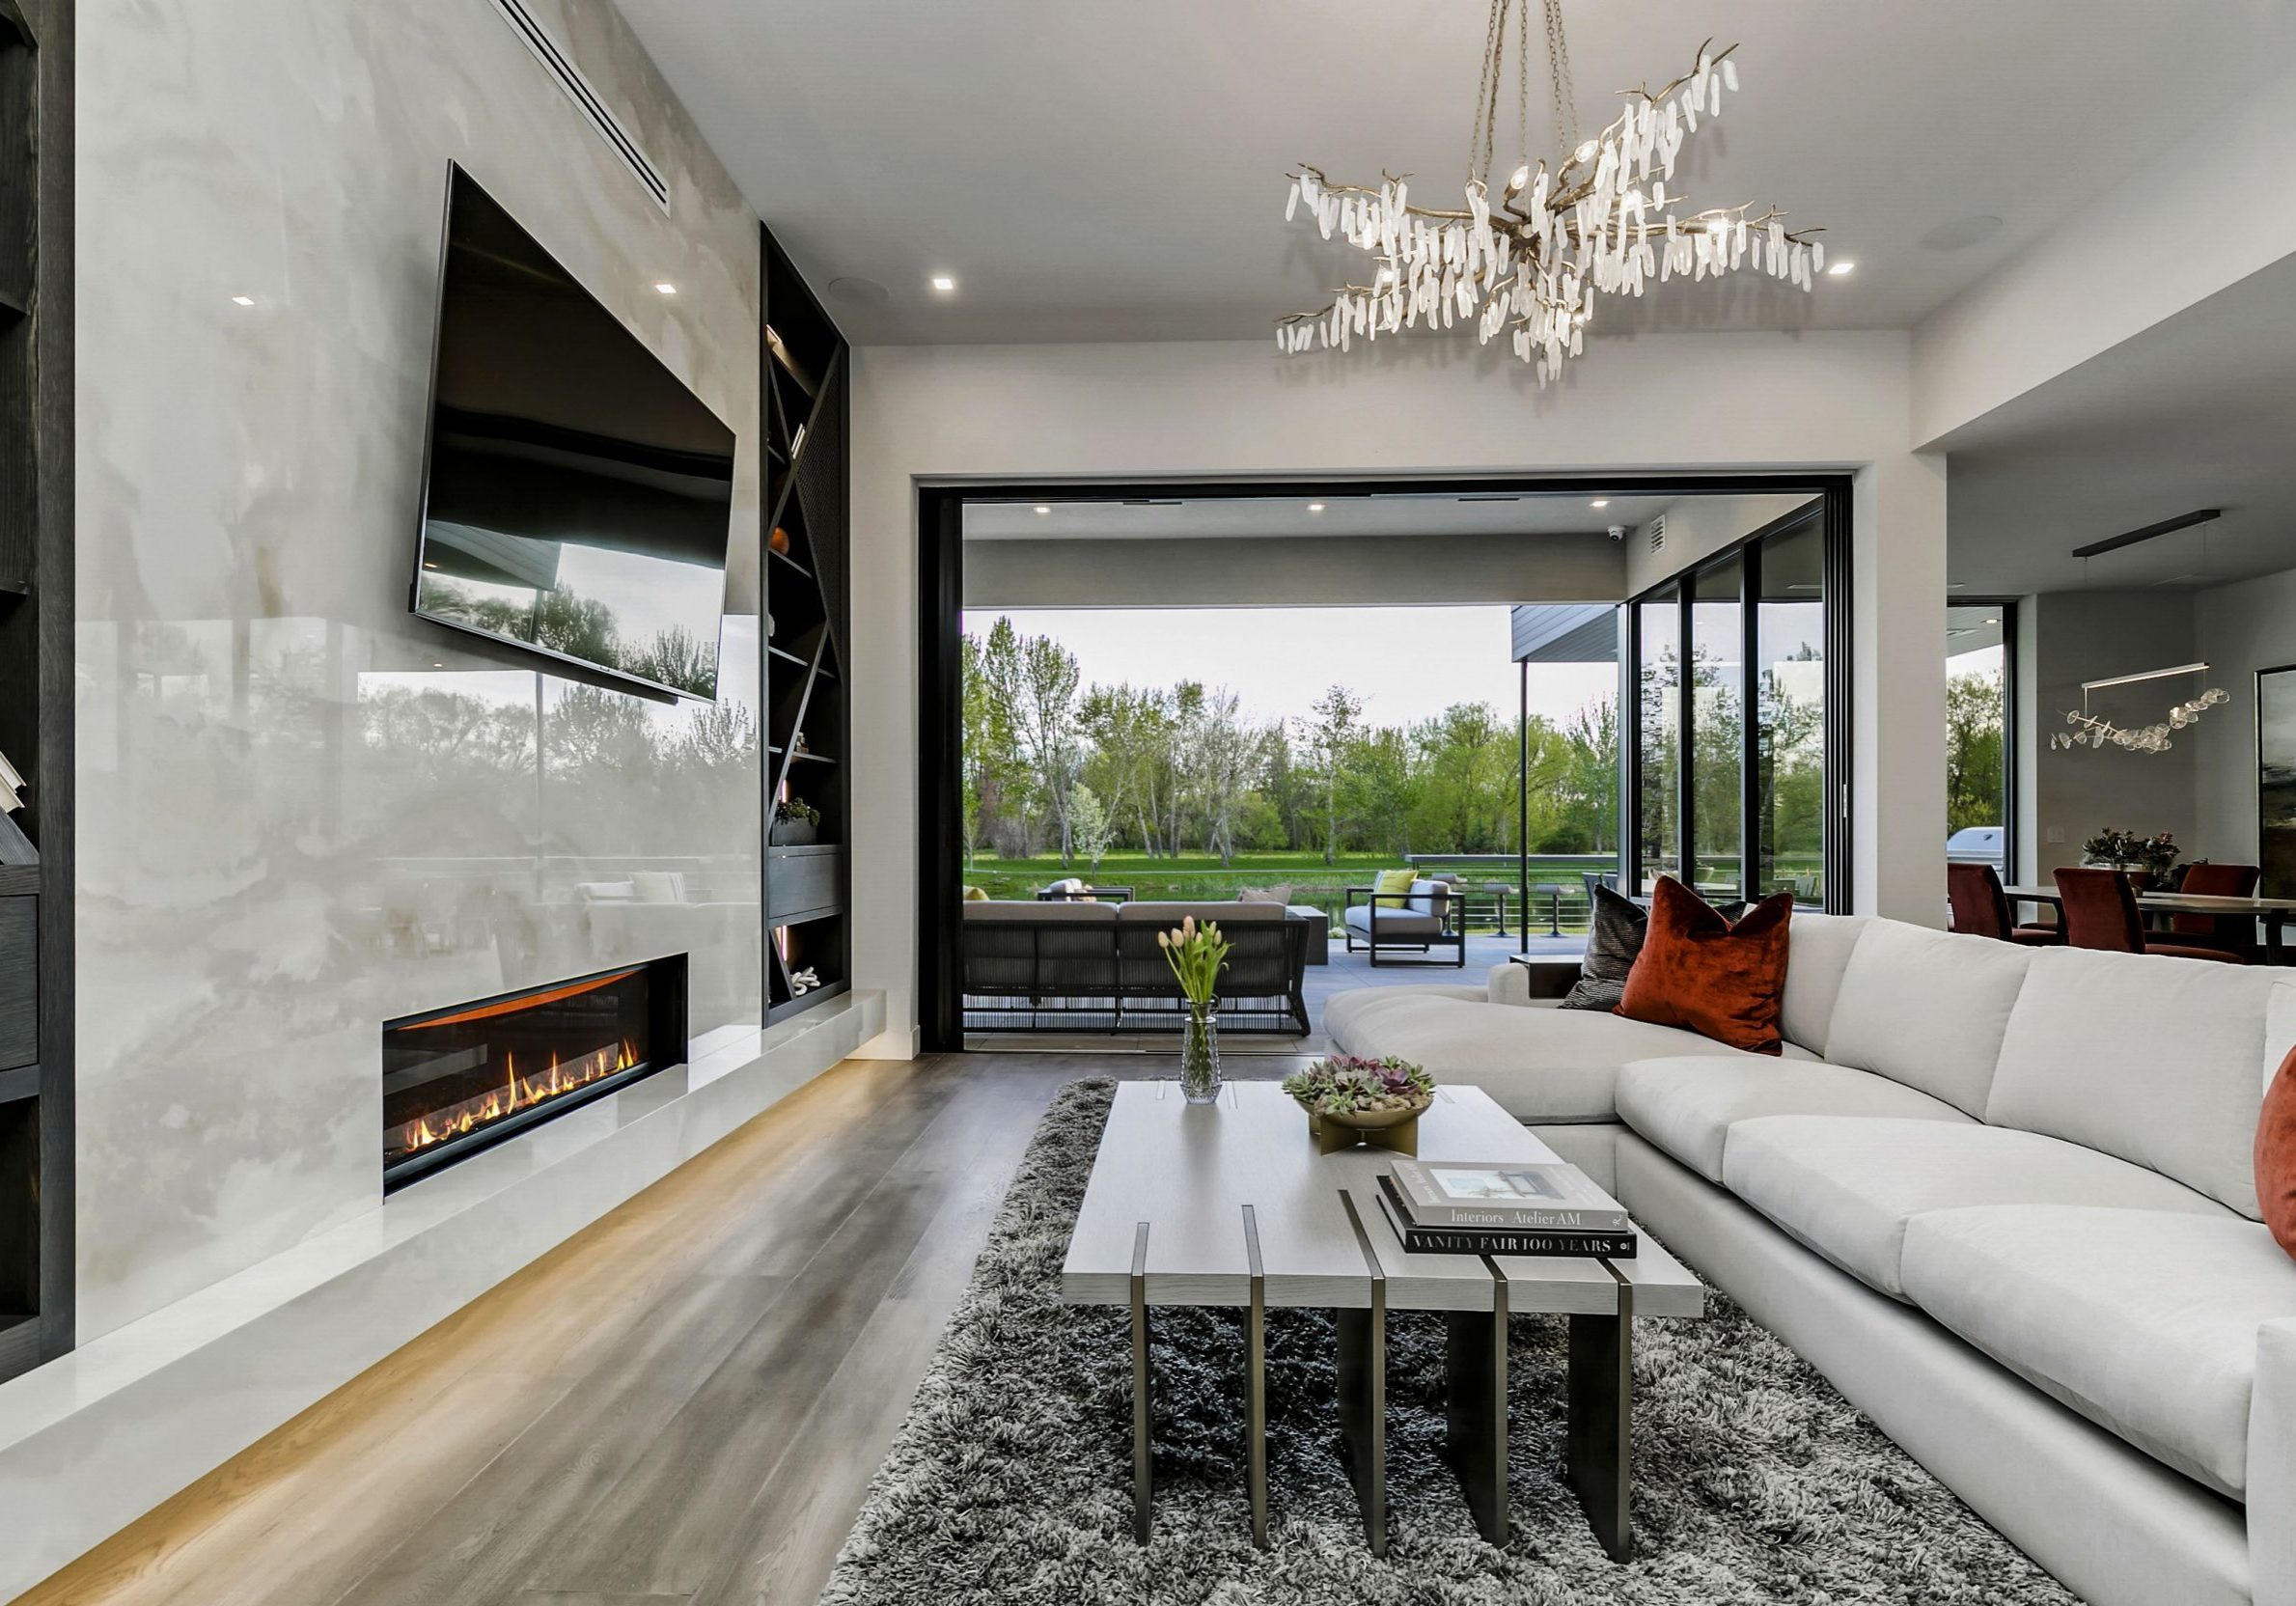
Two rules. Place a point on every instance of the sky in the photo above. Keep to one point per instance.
(1407, 664)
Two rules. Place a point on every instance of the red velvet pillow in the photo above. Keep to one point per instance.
(1700, 972)
(2275, 1155)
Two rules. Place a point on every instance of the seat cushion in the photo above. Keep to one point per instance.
(1686, 1106)
(2145, 1322)
(1540, 1062)
(2157, 1061)
(1397, 924)
(1846, 1185)
(1928, 1009)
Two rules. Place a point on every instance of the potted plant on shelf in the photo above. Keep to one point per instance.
(1196, 954)
(1351, 1101)
(796, 823)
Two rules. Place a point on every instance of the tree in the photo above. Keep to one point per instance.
(1327, 734)
(1033, 679)
(1974, 737)
(1089, 823)
(1222, 762)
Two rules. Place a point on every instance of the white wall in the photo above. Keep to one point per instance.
(1744, 403)
(1697, 527)
(301, 811)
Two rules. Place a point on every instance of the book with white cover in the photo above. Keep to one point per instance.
(12, 786)
(1510, 1194)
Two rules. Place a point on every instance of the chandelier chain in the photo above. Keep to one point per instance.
(1486, 94)
(1559, 79)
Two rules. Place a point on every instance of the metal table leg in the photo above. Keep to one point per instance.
(1363, 1411)
(1598, 1462)
(1143, 1469)
(1255, 1385)
(1474, 1409)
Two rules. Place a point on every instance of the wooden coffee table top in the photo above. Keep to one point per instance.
(1198, 1198)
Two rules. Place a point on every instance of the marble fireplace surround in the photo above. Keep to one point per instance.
(91, 1442)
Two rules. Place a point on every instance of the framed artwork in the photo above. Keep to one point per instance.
(2276, 779)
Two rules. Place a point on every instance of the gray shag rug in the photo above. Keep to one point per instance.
(1009, 1480)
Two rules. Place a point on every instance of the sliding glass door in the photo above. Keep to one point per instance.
(1739, 734)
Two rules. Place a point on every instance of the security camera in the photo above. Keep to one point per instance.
(1618, 532)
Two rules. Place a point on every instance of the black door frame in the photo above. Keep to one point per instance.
(940, 591)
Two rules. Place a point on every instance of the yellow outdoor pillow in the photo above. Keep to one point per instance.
(1394, 880)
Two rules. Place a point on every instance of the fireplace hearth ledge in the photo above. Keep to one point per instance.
(93, 1441)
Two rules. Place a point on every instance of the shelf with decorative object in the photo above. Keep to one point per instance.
(36, 1184)
(802, 364)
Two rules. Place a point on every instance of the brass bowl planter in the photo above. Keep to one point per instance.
(1396, 1130)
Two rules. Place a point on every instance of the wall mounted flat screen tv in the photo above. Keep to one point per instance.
(576, 493)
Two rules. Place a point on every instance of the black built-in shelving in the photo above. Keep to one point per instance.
(808, 885)
(35, 681)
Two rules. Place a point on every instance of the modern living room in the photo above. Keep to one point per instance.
(489, 1107)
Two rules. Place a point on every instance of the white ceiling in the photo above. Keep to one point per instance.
(1286, 517)
(2198, 411)
(1095, 171)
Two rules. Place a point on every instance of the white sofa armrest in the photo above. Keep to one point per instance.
(2272, 1467)
(1509, 984)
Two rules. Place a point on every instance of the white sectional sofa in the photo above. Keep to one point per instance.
(2003, 1197)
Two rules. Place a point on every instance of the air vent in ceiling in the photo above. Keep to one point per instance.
(1657, 529)
(560, 67)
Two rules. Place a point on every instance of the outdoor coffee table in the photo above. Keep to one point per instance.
(1229, 1205)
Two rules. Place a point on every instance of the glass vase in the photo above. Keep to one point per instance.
(1200, 1055)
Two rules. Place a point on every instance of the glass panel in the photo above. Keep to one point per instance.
(1791, 741)
(1718, 729)
(1658, 770)
(1977, 723)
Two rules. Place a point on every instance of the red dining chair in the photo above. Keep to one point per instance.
(1981, 908)
(2233, 934)
(2100, 911)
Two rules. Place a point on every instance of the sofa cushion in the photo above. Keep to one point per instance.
(1540, 1062)
(1699, 970)
(1394, 922)
(2159, 1061)
(1686, 1106)
(1819, 948)
(2145, 1322)
(1615, 932)
(1928, 1009)
(1846, 1185)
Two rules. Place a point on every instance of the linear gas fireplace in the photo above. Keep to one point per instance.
(457, 1079)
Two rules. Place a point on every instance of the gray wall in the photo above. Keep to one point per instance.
(1292, 571)
(2241, 628)
(302, 812)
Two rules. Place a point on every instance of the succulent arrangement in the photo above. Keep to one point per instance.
(1351, 1085)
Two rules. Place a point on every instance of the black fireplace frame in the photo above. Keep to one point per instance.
(665, 1042)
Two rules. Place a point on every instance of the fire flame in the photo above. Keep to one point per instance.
(517, 1093)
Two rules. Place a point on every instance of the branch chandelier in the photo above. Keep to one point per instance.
(1532, 261)
(2094, 729)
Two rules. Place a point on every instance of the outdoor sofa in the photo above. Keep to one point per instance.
(1096, 967)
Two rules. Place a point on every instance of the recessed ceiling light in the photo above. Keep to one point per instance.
(667, 288)
(1599, 501)
(436, 664)
(243, 301)
(1836, 270)
(1315, 507)
(1044, 510)
(943, 281)
(1993, 621)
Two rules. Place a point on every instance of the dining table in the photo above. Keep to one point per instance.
(2272, 912)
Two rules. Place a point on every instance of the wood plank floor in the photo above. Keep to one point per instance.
(681, 1405)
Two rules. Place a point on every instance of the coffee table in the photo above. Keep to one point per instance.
(1229, 1205)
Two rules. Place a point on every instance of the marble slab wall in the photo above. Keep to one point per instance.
(302, 810)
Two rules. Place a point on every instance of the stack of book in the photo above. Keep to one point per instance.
(1503, 1207)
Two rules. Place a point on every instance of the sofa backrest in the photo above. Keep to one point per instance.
(1030, 909)
(1172, 914)
(2161, 1061)
(1818, 948)
(1928, 1009)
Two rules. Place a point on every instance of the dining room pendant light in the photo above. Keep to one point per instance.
(2094, 730)
(1528, 252)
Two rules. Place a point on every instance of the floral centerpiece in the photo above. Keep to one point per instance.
(1196, 954)
(1351, 1099)
(2112, 849)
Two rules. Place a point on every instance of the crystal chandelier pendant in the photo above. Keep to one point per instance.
(1530, 262)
